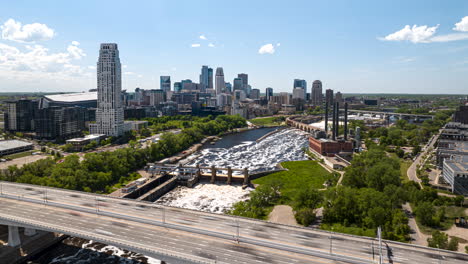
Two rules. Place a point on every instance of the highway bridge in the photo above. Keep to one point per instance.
(185, 236)
(385, 114)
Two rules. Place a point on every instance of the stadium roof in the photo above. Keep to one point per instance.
(11, 144)
(73, 97)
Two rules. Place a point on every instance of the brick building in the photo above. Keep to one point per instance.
(327, 147)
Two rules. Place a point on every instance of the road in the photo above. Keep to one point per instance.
(185, 230)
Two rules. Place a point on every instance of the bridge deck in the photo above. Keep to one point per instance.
(191, 236)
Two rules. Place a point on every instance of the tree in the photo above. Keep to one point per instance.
(305, 216)
(438, 240)
(424, 213)
(416, 150)
(453, 244)
(307, 198)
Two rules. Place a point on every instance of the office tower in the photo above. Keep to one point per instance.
(220, 85)
(329, 96)
(316, 96)
(238, 85)
(109, 113)
(210, 78)
(298, 93)
(268, 93)
(165, 83)
(255, 94)
(338, 97)
(19, 115)
(302, 84)
(239, 95)
(284, 98)
(204, 78)
(156, 97)
(228, 88)
(247, 90)
(245, 80)
(177, 87)
(60, 122)
(186, 84)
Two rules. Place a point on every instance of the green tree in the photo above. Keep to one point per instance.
(438, 240)
(424, 213)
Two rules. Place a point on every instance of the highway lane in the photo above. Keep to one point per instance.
(318, 240)
(157, 237)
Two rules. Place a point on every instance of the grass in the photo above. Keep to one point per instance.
(267, 121)
(19, 155)
(404, 166)
(349, 230)
(451, 212)
(300, 175)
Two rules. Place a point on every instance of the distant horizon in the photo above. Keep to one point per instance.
(352, 47)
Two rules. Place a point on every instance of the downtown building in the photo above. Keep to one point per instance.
(316, 96)
(165, 83)
(110, 112)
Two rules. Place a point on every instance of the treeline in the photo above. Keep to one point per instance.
(97, 172)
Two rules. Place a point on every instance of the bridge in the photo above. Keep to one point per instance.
(185, 236)
(384, 115)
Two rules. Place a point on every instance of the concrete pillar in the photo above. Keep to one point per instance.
(29, 232)
(229, 175)
(213, 174)
(246, 176)
(13, 236)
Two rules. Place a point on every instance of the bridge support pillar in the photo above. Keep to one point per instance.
(213, 174)
(30, 232)
(229, 175)
(13, 236)
(246, 177)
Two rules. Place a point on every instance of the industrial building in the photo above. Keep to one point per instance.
(78, 144)
(8, 147)
(455, 173)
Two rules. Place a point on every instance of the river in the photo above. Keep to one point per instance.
(236, 150)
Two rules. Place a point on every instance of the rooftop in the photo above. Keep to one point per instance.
(73, 97)
(458, 164)
(11, 144)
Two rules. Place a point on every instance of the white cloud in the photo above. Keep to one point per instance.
(202, 37)
(74, 51)
(462, 25)
(267, 48)
(195, 45)
(415, 34)
(211, 45)
(278, 44)
(140, 76)
(174, 69)
(91, 67)
(129, 73)
(125, 66)
(450, 37)
(402, 59)
(14, 31)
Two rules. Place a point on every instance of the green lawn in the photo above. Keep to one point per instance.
(299, 175)
(358, 231)
(267, 121)
(451, 212)
(404, 165)
(20, 154)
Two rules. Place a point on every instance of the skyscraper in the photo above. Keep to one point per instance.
(109, 113)
(302, 84)
(210, 78)
(177, 87)
(245, 80)
(204, 78)
(165, 83)
(228, 88)
(316, 95)
(329, 97)
(220, 85)
(238, 85)
(268, 93)
(339, 97)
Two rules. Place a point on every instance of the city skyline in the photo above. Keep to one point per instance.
(345, 49)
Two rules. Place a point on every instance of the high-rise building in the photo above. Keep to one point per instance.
(239, 95)
(220, 85)
(177, 87)
(302, 84)
(210, 78)
(228, 88)
(19, 115)
(204, 78)
(60, 122)
(298, 93)
(156, 97)
(317, 95)
(255, 94)
(268, 93)
(245, 80)
(329, 97)
(339, 97)
(186, 84)
(165, 83)
(284, 98)
(238, 85)
(109, 113)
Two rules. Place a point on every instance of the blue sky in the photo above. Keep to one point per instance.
(352, 46)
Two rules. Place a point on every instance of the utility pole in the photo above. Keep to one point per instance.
(331, 242)
(373, 259)
(237, 231)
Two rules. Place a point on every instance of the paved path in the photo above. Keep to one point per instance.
(417, 237)
(282, 214)
(412, 169)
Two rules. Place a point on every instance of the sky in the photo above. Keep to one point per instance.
(351, 46)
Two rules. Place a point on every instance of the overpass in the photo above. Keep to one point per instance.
(184, 236)
(398, 115)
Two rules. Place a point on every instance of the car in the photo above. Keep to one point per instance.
(3, 160)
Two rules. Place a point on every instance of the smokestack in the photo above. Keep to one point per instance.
(337, 127)
(326, 118)
(333, 122)
(346, 121)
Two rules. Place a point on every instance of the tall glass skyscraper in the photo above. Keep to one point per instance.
(220, 85)
(165, 83)
(268, 93)
(109, 113)
(204, 78)
(301, 84)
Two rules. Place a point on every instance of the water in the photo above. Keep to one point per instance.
(236, 150)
